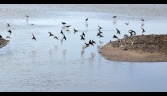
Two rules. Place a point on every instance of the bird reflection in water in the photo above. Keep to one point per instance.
(83, 50)
(91, 59)
(64, 53)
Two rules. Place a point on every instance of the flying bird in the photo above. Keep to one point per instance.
(8, 25)
(83, 34)
(118, 32)
(10, 31)
(127, 23)
(33, 36)
(50, 34)
(63, 23)
(115, 36)
(143, 30)
(114, 16)
(64, 37)
(55, 37)
(61, 32)
(86, 19)
(82, 38)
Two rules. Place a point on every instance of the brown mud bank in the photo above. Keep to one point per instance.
(146, 48)
(3, 42)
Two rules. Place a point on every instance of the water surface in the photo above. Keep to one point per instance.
(48, 64)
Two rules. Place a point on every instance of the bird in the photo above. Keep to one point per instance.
(8, 25)
(143, 30)
(132, 32)
(75, 30)
(63, 23)
(83, 34)
(68, 26)
(142, 19)
(55, 37)
(98, 34)
(50, 34)
(10, 31)
(99, 27)
(114, 17)
(100, 31)
(27, 16)
(82, 38)
(127, 23)
(93, 42)
(0, 36)
(101, 36)
(7, 37)
(86, 19)
(87, 44)
(90, 42)
(125, 36)
(115, 36)
(118, 32)
(61, 32)
(64, 37)
(33, 37)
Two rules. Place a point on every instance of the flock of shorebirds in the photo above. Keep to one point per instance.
(91, 42)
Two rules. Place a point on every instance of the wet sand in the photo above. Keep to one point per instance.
(148, 48)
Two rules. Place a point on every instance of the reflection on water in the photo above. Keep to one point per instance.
(49, 64)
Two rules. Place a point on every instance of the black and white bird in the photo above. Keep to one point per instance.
(143, 30)
(63, 23)
(10, 31)
(115, 36)
(118, 32)
(50, 34)
(99, 27)
(75, 30)
(64, 37)
(61, 32)
(82, 38)
(8, 25)
(83, 34)
(55, 37)
(142, 19)
(68, 26)
(86, 19)
(114, 17)
(100, 36)
(127, 23)
(27, 16)
(33, 37)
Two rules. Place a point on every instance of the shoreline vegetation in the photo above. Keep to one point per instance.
(138, 48)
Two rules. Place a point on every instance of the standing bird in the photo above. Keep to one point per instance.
(8, 25)
(50, 34)
(115, 36)
(118, 32)
(33, 37)
(10, 31)
(27, 16)
(143, 30)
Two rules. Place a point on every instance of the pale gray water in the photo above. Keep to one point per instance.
(43, 65)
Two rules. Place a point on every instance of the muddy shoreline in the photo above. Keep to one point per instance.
(3, 42)
(147, 48)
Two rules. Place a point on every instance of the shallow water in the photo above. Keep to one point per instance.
(51, 65)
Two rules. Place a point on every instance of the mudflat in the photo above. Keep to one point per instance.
(139, 48)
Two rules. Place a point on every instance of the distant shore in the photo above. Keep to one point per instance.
(147, 48)
(3, 42)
